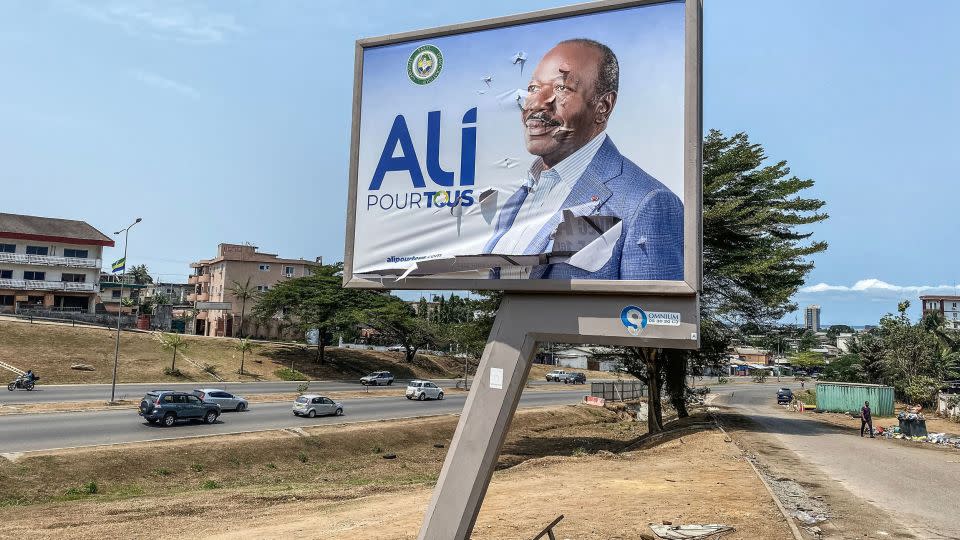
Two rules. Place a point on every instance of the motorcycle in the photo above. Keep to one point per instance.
(22, 383)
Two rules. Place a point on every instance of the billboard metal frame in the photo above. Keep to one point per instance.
(692, 167)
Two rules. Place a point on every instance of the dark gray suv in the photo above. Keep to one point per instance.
(168, 406)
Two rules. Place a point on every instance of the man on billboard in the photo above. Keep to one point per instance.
(571, 95)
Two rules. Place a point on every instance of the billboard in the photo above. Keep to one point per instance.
(552, 151)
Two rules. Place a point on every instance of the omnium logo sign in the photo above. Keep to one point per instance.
(635, 319)
(425, 64)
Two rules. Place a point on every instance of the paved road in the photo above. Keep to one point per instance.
(28, 432)
(135, 391)
(915, 484)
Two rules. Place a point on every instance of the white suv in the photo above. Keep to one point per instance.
(422, 390)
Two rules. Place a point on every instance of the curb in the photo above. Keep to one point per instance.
(793, 526)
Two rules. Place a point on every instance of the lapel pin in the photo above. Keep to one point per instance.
(594, 198)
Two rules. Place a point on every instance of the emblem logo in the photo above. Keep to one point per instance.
(425, 64)
(634, 319)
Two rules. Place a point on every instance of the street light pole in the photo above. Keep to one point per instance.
(116, 352)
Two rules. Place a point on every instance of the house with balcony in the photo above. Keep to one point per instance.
(49, 263)
(119, 293)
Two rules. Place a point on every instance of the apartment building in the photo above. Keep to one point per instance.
(119, 293)
(948, 306)
(212, 280)
(176, 293)
(49, 263)
(811, 318)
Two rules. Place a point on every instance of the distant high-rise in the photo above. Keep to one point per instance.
(811, 319)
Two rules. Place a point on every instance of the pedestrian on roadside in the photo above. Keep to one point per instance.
(866, 420)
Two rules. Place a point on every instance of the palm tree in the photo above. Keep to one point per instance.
(244, 346)
(242, 292)
(140, 274)
(174, 342)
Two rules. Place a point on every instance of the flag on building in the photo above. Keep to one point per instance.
(119, 265)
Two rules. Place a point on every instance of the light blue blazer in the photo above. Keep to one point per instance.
(651, 242)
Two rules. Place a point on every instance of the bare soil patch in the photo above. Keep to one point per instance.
(332, 482)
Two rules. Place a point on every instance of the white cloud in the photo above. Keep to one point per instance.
(878, 287)
(173, 20)
(159, 81)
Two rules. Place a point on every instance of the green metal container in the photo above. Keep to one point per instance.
(846, 397)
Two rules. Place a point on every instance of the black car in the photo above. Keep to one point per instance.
(573, 378)
(168, 406)
(784, 395)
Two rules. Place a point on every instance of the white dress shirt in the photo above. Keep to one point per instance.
(547, 190)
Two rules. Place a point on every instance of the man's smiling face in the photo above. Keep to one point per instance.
(561, 112)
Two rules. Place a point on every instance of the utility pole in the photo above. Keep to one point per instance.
(116, 352)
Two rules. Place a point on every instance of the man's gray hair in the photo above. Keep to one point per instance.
(608, 74)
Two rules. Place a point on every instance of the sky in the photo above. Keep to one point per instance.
(229, 122)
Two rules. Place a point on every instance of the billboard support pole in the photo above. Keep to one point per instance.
(522, 321)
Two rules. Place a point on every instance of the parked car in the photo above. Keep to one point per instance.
(311, 405)
(573, 378)
(396, 348)
(168, 406)
(377, 378)
(555, 375)
(784, 395)
(226, 400)
(421, 390)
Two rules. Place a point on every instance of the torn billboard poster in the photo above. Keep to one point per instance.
(549, 150)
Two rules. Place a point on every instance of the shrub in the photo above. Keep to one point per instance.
(197, 467)
(303, 387)
(209, 368)
(209, 484)
(161, 472)
(287, 374)
(302, 457)
(172, 372)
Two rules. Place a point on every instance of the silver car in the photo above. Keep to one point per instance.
(226, 400)
(421, 390)
(311, 405)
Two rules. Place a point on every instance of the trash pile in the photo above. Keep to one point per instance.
(913, 427)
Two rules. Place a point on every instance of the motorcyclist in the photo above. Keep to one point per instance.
(29, 376)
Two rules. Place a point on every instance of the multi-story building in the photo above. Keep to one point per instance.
(811, 318)
(176, 293)
(948, 306)
(234, 264)
(119, 292)
(49, 263)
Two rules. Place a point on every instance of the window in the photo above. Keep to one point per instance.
(263, 288)
(78, 253)
(8, 248)
(6, 274)
(36, 276)
(37, 250)
(74, 278)
(264, 267)
(115, 294)
(288, 271)
(326, 401)
(316, 400)
(193, 400)
(6, 300)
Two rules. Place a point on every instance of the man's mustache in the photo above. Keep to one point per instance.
(542, 117)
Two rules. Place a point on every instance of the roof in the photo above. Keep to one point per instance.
(750, 350)
(938, 297)
(67, 231)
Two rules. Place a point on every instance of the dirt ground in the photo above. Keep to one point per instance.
(332, 482)
(934, 424)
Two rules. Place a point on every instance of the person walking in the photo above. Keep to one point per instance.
(866, 420)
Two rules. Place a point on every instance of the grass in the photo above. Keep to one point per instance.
(808, 397)
(330, 460)
(51, 349)
(287, 374)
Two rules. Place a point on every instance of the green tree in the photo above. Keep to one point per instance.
(397, 322)
(140, 274)
(318, 301)
(807, 340)
(836, 329)
(807, 360)
(242, 292)
(175, 343)
(847, 368)
(243, 346)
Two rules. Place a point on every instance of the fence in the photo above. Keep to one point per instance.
(618, 390)
(73, 318)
